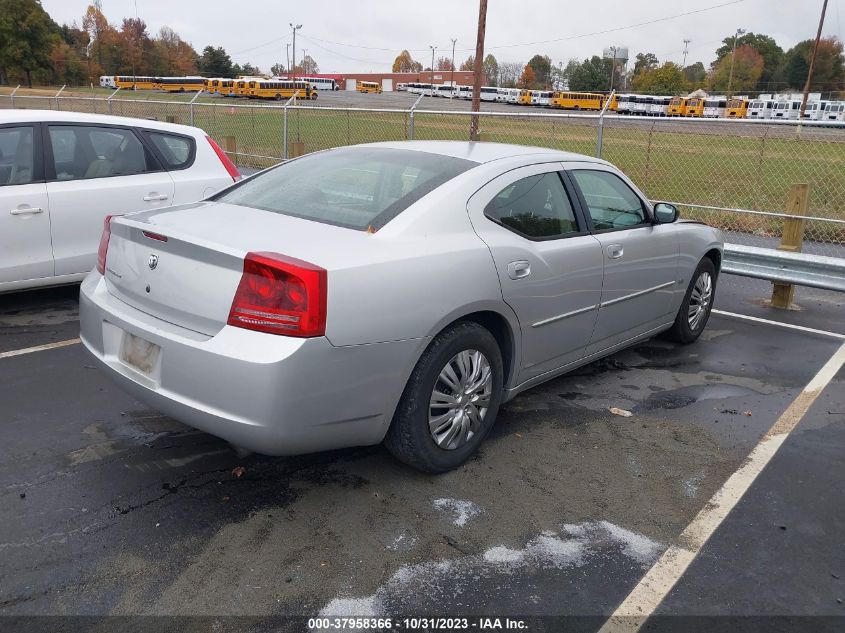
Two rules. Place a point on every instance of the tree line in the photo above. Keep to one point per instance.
(35, 49)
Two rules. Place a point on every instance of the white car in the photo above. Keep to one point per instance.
(62, 173)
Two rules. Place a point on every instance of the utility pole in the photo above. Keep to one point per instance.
(452, 80)
(613, 49)
(812, 64)
(431, 75)
(479, 68)
(686, 50)
(293, 68)
(304, 71)
(287, 56)
(733, 59)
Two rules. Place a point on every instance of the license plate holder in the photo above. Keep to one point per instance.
(139, 354)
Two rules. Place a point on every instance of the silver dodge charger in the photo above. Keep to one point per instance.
(395, 292)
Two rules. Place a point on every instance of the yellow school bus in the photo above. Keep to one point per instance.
(695, 107)
(132, 82)
(281, 89)
(524, 97)
(181, 84)
(368, 86)
(737, 108)
(677, 106)
(578, 100)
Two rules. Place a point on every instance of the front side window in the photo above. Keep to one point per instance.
(612, 204)
(357, 188)
(81, 152)
(17, 156)
(535, 207)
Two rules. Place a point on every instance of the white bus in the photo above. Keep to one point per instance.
(463, 92)
(507, 95)
(624, 103)
(320, 83)
(714, 107)
(787, 109)
(641, 104)
(834, 111)
(444, 90)
(760, 109)
(541, 97)
(659, 106)
(107, 81)
(815, 110)
(489, 93)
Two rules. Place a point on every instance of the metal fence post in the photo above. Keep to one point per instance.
(600, 129)
(191, 106)
(411, 119)
(56, 96)
(285, 125)
(13, 95)
(792, 239)
(109, 98)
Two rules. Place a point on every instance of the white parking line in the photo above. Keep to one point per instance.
(659, 580)
(38, 348)
(800, 328)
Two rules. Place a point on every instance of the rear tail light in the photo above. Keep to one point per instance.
(280, 295)
(227, 163)
(103, 250)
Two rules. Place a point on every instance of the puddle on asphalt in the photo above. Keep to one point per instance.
(685, 396)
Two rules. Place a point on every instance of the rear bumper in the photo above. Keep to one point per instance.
(271, 394)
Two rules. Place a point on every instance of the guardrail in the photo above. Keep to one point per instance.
(802, 269)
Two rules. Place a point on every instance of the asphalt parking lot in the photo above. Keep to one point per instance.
(109, 508)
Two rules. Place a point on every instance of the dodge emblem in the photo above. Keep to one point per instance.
(153, 262)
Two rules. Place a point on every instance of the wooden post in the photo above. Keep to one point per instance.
(792, 240)
(230, 146)
(478, 68)
(171, 118)
(297, 148)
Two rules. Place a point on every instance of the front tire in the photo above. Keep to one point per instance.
(695, 309)
(450, 401)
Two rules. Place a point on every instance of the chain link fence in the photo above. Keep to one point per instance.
(723, 172)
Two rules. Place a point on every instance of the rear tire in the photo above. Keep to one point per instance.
(437, 427)
(695, 309)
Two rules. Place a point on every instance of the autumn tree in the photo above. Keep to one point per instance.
(747, 69)
(527, 79)
(644, 62)
(27, 35)
(828, 71)
(767, 47)
(468, 63)
(490, 69)
(307, 66)
(509, 73)
(542, 67)
(443, 63)
(695, 75)
(667, 79)
(404, 63)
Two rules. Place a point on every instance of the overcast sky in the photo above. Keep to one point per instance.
(366, 35)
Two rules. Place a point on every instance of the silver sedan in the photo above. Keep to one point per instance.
(395, 292)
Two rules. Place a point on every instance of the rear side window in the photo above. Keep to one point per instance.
(17, 156)
(357, 188)
(82, 152)
(177, 152)
(535, 207)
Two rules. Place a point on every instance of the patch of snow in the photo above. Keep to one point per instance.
(505, 555)
(460, 511)
(641, 548)
(349, 607)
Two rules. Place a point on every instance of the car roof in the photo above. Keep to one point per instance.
(483, 152)
(34, 116)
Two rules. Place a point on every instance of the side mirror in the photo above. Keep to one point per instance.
(665, 213)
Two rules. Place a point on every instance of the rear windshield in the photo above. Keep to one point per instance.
(357, 188)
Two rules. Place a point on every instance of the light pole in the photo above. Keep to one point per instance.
(304, 71)
(287, 57)
(733, 59)
(452, 79)
(686, 50)
(431, 76)
(295, 29)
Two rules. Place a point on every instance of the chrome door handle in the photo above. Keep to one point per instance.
(519, 269)
(615, 251)
(26, 211)
(154, 197)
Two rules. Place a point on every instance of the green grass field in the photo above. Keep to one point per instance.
(736, 166)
